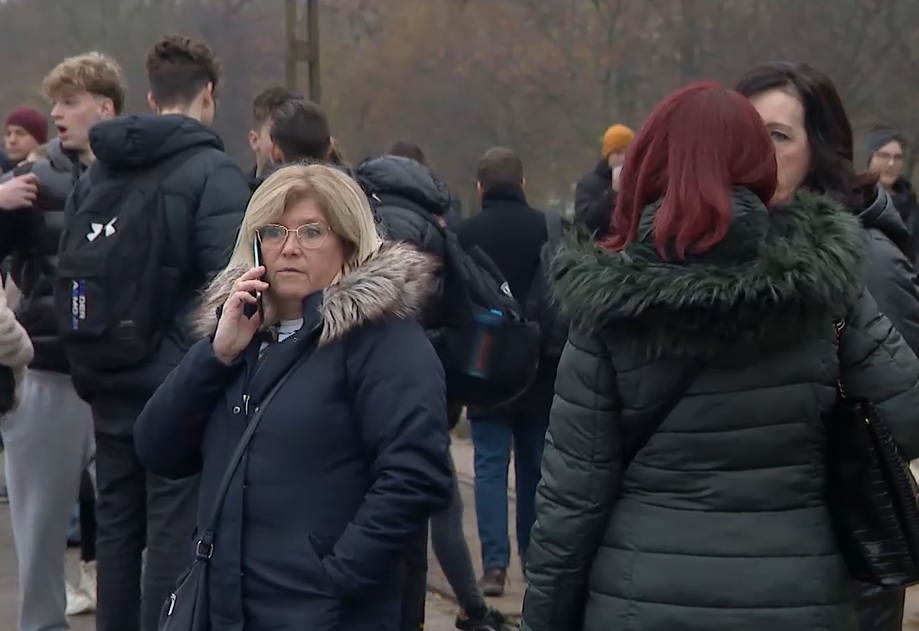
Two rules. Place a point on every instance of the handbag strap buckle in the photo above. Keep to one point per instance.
(204, 550)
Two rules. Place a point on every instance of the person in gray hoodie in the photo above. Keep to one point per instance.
(49, 437)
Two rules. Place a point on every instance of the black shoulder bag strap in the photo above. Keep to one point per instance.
(662, 412)
(204, 549)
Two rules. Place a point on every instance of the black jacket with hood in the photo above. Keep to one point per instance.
(206, 199)
(907, 204)
(30, 236)
(409, 199)
(590, 191)
(890, 275)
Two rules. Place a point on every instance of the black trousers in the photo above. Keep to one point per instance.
(87, 518)
(415, 591)
(137, 511)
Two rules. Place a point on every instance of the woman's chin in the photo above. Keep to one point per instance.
(781, 197)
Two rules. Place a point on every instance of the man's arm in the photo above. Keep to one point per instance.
(17, 194)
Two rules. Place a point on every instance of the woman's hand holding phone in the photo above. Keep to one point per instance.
(235, 329)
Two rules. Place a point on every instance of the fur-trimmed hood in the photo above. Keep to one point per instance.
(396, 281)
(776, 277)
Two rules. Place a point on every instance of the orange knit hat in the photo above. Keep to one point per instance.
(616, 138)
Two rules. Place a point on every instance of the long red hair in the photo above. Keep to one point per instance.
(697, 143)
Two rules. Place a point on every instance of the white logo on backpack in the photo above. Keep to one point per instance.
(98, 229)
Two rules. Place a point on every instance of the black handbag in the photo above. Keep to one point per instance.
(186, 609)
(872, 495)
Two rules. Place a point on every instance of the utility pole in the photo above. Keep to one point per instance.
(299, 50)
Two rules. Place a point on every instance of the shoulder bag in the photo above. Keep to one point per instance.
(186, 609)
(873, 498)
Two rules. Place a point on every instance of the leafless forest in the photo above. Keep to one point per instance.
(456, 76)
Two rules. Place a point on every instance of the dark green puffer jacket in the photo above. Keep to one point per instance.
(720, 522)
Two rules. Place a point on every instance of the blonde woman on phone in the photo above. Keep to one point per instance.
(348, 458)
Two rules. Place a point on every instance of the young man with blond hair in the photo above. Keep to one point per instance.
(49, 437)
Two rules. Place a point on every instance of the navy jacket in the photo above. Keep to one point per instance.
(348, 463)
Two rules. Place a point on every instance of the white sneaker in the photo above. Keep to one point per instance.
(82, 598)
(77, 602)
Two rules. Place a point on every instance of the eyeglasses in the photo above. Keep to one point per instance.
(310, 235)
(890, 157)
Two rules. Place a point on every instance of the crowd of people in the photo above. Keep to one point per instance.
(256, 372)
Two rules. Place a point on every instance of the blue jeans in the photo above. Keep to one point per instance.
(493, 435)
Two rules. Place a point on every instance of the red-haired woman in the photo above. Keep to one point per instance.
(683, 482)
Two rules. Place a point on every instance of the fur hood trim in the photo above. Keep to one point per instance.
(396, 281)
(775, 274)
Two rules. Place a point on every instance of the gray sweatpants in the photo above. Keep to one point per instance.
(48, 443)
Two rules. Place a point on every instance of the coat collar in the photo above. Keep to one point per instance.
(775, 276)
(397, 281)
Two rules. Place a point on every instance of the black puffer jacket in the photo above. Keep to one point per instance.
(906, 203)
(720, 522)
(31, 236)
(408, 200)
(589, 191)
(205, 202)
(891, 277)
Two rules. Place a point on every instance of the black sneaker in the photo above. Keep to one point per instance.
(491, 620)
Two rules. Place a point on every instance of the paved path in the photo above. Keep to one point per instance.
(441, 611)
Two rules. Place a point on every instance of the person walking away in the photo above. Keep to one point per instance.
(49, 438)
(512, 234)
(411, 204)
(165, 201)
(412, 151)
(685, 474)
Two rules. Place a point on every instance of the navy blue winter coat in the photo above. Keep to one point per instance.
(348, 463)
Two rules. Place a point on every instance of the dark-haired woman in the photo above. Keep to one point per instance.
(683, 481)
(813, 143)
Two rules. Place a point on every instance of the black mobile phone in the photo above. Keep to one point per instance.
(258, 308)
